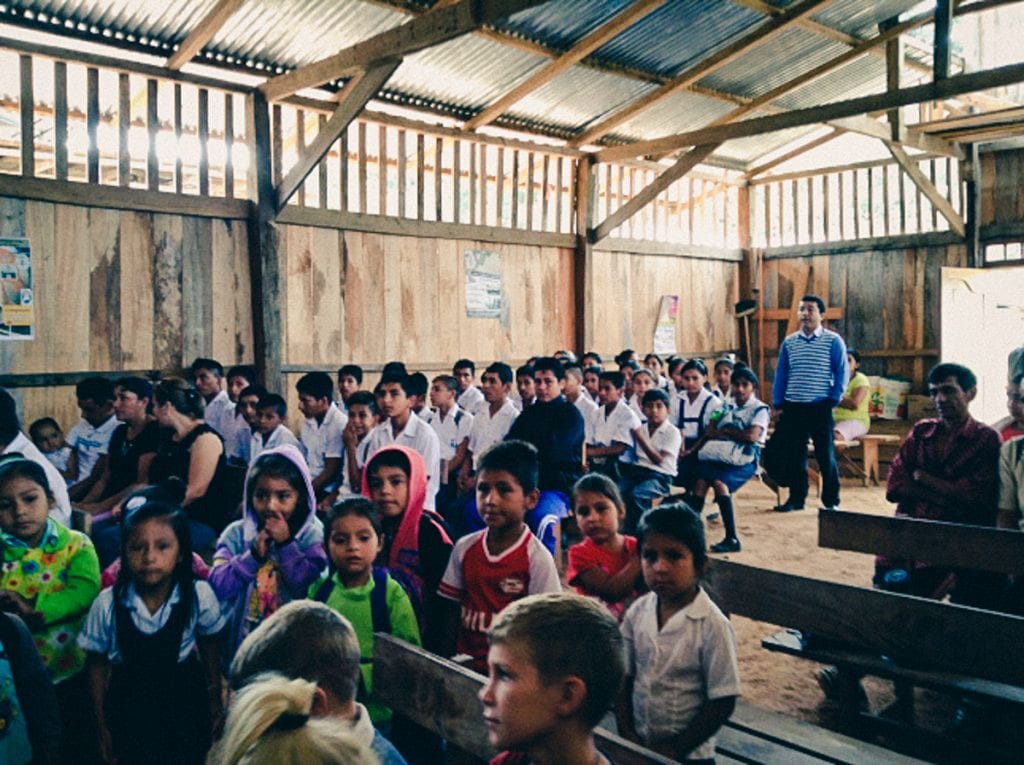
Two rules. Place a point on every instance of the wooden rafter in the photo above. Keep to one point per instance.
(647, 194)
(607, 31)
(359, 90)
(203, 33)
(801, 149)
(430, 29)
(939, 202)
(712, 63)
(932, 91)
(905, 136)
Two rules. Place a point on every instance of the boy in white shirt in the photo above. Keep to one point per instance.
(657, 446)
(452, 426)
(270, 428)
(90, 437)
(575, 393)
(609, 431)
(470, 396)
(321, 434)
(218, 412)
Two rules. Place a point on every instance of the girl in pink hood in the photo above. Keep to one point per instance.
(275, 551)
(416, 542)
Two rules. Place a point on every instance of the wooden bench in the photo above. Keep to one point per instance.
(925, 642)
(442, 696)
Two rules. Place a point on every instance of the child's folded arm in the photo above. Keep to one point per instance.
(232, 571)
(611, 587)
(301, 567)
(81, 587)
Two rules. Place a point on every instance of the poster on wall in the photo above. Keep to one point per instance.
(483, 284)
(665, 329)
(17, 310)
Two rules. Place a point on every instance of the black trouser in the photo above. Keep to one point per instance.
(798, 423)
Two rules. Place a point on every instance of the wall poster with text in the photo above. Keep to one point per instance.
(17, 308)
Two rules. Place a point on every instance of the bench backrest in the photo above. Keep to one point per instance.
(909, 629)
(442, 696)
(980, 548)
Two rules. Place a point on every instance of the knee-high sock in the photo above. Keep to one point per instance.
(696, 503)
(725, 507)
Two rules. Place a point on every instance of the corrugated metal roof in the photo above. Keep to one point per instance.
(862, 17)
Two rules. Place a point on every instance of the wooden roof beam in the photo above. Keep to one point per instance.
(802, 149)
(931, 91)
(938, 200)
(647, 194)
(203, 33)
(432, 28)
(603, 34)
(712, 63)
(903, 135)
(359, 90)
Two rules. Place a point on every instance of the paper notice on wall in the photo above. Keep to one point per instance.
(665, 329)
(483, 284)
(17, 308)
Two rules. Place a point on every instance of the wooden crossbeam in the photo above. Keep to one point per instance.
(203, 33)
(938, 200)
(432, 28)
(607, 31)
(646, 195)
(932, 91)
(941, 544)
(360, 90)
(905, 136)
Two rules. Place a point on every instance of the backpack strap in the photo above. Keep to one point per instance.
(323, 592)
(379, 601)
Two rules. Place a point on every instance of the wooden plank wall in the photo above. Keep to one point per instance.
(624, 296)
(890, 301)
(1002, 194)
(124, 290)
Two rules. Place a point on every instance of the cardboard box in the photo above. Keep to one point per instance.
(920, 407)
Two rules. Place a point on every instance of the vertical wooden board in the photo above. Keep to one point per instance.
(435, 334)
(298, 324)
(136, 292)
(104, 289)
(406, 268)
(168, 232)
(242, 293)
(196, 288)
(567, 278)
(357, 292)
(376, 307)
(327, 313)
(456, 329)
(392, 316)
(895, 295)
(222, 335)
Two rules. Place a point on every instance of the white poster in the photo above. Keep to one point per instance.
(665, 329)
(483, 284)
(17, 309)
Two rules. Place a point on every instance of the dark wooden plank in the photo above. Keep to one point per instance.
(153, 132)
(420, 174)
(515, 189)
(300, 149)
(204, 142)
(946, 636)
(942, 544)
(439, 179)
(60, 120)
(499, 179)
(748, 747)
(321, 168)
(472, 184)
(27, 108)
(382, 170)
(484, 185)
(124, 123)
(456, 181)
(560, 194)
(529, 190)
(361, 168)
(178, 180)
(402, 165)
(442, 696)
(545, 187)
(343, 194)
(92, 123)
(277, 143)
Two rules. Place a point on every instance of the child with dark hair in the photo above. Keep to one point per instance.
(360, 591)
(275, 551)
(89, 439)
(526, 388)
(248, 400)
(271, 432)
(417, 390)
(49, 439)
(362, 418)
(452, 425)
(555, 665)
(696, 405)
(152, 646)
(470, 396)
(609, 431)
(321, 435)
(723, 379)
(240, 377)
(656, 444)
(350, 380)
(682, 675)
(503, 562)
(416, 543)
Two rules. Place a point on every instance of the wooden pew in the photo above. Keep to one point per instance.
(902, 637)
(442, 696)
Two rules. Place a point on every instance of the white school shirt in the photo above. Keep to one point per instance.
(666, 438)
(420, 437)
(616, 428)
(585, 404)
(346, 489)
(90, 443)
(322, 440)
(690, 416)
(471, 399)
(279, 437)
(61, 510)
(636, 406)
(451, 430)
(488, 430)
(236, 439)
(219, 414)
(691, 660)
(99, 632)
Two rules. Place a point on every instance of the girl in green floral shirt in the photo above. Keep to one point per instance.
(49, 577)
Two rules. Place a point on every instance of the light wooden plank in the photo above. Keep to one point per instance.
(515, 189)
(926, 187)
(136, 293)
(104, 289)
(560, 193)
(299, 315)
(152, 133)
(223, 280)
(485, 185)
(472, 184)
(456, 181)
(529, 190)
(203, 32)
(60, 120)
(300, 148)
(197, 289)
(73, 262)
(166, 288)
(327, 299)
(545, 198)
(27, 105)
(499, 180)
(433, 28)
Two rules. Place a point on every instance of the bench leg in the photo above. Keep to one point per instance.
(870, 461)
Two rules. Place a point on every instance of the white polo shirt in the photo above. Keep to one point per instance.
(322, 440)
(279, 437)
(471, 399)
(489, 429)
(585, 404)
(416, 435)
(666, 438)
(604, 429)
(451, 430)
(90, 443)
(219, 414)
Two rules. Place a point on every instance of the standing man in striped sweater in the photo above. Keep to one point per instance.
(809, 383)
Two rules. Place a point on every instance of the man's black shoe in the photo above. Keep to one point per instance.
(726, 546)
(787, 507)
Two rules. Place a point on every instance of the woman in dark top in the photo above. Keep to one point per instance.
(191, 451)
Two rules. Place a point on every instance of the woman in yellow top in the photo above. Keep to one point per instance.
(851, 416)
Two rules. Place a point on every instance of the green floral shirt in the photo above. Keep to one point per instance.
(62, 576)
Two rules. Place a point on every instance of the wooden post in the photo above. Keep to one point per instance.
(27, 109)
(264, 265)
(893, 72)
(970, 171)
(943, 24)
(584, 251)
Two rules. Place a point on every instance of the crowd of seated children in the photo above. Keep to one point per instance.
(321, 437)
(90, 436)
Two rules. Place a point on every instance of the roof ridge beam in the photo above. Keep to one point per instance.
(203, 33)
(432, 28)
(603, 34)
(931, 91)
(763, 33)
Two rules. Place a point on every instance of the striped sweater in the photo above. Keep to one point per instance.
(811, 369)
